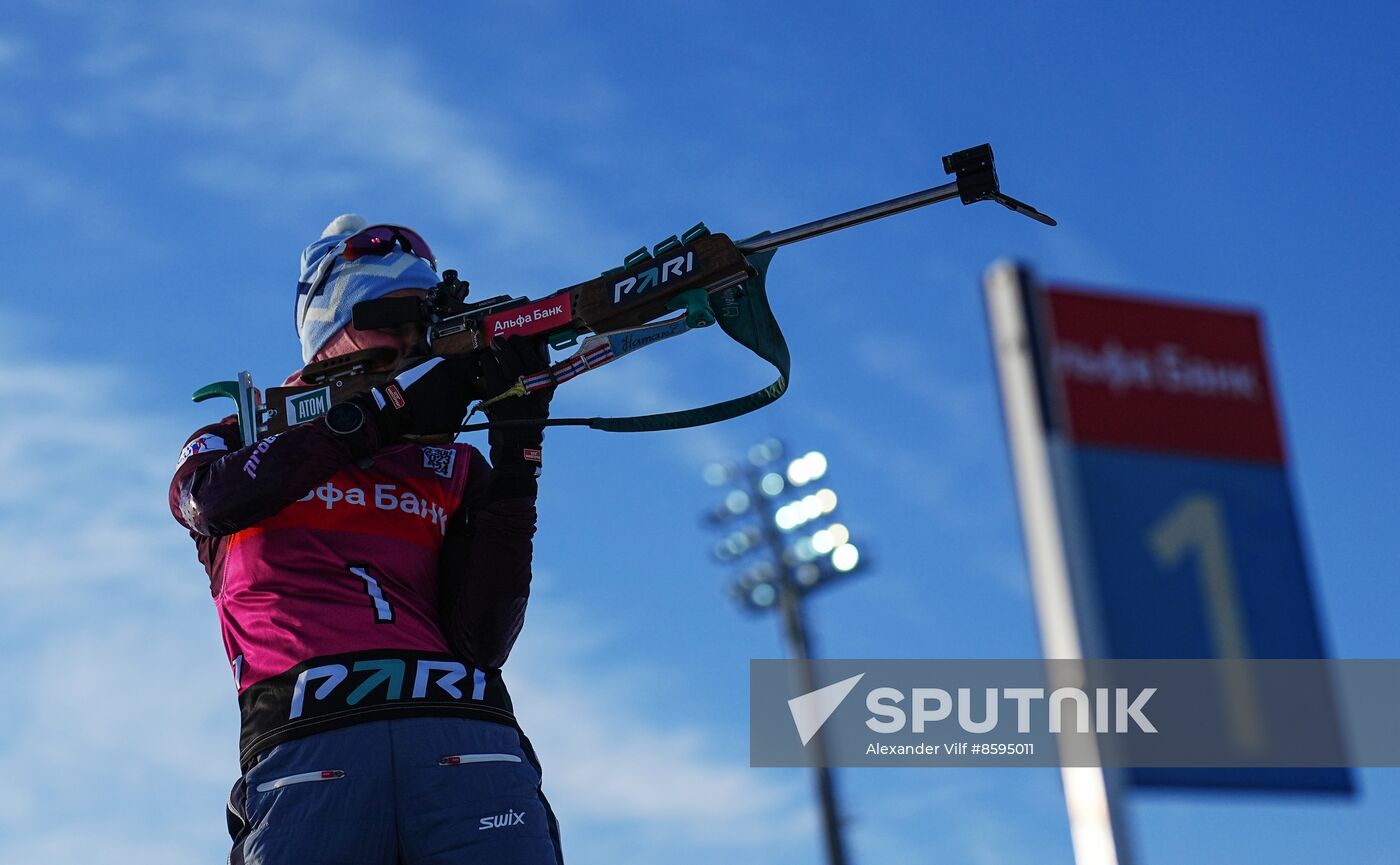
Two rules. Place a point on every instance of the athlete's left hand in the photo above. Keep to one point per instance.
(512, 358)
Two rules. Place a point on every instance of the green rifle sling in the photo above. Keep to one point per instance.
(745, 315)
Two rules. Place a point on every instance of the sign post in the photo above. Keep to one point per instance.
(1092, 795)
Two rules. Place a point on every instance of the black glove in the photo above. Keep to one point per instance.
(516, 449)
(427, 395)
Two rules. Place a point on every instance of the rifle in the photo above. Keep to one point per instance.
(702, 277)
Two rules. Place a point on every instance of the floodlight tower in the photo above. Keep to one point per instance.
(762, 510)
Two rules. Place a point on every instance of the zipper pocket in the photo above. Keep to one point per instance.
(304, 777)
(458, 759)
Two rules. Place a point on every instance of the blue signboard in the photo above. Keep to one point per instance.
(1198, 558)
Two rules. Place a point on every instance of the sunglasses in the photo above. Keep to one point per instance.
(375, 240)
(380, 240)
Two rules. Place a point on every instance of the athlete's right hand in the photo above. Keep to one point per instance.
(427, 395)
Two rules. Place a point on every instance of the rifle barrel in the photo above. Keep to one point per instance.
(773, 240)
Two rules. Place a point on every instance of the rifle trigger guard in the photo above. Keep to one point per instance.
(697, 307)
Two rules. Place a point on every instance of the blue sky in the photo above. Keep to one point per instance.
(163, 164)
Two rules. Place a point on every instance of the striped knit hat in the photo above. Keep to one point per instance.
(330, 286)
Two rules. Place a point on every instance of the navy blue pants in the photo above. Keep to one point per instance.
(409, 791)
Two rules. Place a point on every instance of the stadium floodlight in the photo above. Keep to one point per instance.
(771, 485)
(736, 501)
(806, 468)
(761, 506)
(765, 452)
(788, 518)
(804, 550)
(716, 474)
(763, 594)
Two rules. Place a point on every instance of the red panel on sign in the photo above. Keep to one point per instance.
(1162, 376)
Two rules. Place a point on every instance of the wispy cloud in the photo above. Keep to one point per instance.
(606, 764)
(36, 186)
(11, 49)
(83, 493)
(902, 364)
(279, 107)
(118, 703)
(989, 828)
